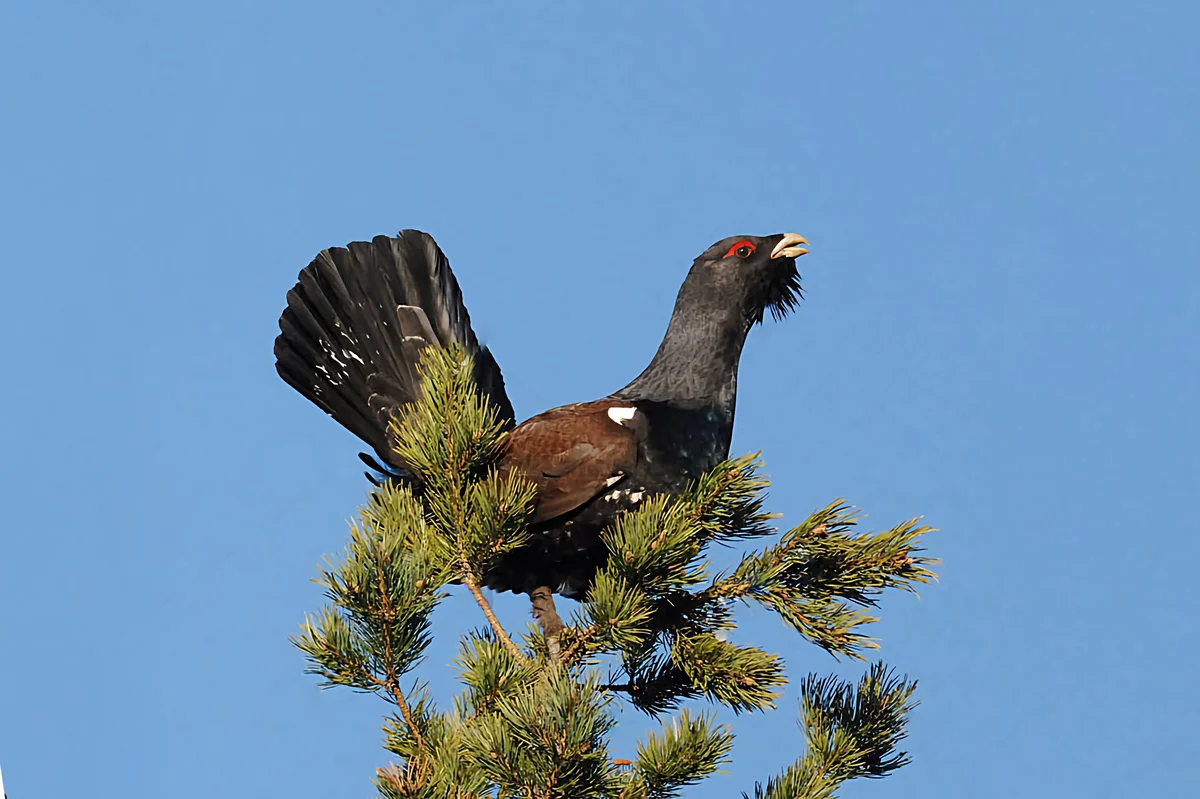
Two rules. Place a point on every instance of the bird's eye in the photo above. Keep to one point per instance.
(742, 249)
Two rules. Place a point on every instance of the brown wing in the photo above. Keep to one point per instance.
(574, 452)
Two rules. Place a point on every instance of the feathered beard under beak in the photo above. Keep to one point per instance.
(782, 295)
(786, 293)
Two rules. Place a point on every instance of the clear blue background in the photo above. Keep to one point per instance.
(1000, 334)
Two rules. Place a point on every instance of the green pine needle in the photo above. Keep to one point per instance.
(689, 749)
(741, 678)
(852, 731)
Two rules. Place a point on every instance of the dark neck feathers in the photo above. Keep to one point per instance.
(696, 364)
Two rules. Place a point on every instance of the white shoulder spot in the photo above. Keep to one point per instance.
(622, 415)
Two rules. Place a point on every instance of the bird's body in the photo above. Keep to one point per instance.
(358, 318)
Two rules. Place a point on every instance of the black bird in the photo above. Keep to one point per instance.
(355, 324)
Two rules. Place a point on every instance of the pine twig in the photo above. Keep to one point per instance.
(579, 644)
(393, 680)
(498, 628)
(392, 686)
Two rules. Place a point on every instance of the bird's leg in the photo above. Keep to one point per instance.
(547, 618)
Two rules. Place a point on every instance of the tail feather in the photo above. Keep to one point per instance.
(355, 325)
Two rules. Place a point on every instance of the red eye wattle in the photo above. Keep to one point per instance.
(743, 249)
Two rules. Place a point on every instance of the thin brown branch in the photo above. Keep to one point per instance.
(407, 714)
(579, 643)
(393, 679)
(486, 607)
(392, 686)
(469, 578)
(468, 574)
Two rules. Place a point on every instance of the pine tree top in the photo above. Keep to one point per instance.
(534, 716)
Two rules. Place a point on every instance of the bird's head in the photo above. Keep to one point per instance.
(729, 289)
(757, 273)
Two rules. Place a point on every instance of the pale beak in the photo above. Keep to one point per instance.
(787, 248)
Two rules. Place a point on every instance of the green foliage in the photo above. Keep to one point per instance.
(450, 439)
(818, 572)
(536, 725)
(851, 732)
(740, 677)
(383, 594)
(617, 613)
(688, 750)
(549, 739)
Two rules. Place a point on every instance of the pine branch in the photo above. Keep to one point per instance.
(726, 502)
(811, 578)
(489, 672)
(655, 684)
(450, 425)
(393, 676)
(851, 731)
(406, 733)
(549, 740)
(342, 660)
(383, 594)
(579, 644)
(741, 678)
(687, 751)
(435, 770)
(450, 438)
(378, 625)
(335, 653)
(497, 627)
(818, 570)
(656, 546)
(409, 781)
(616, 616)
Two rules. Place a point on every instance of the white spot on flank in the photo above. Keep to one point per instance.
(621, 415)
(611, 495)
(613, 479)
(636, 496)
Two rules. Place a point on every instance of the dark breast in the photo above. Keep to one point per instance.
(682, 443)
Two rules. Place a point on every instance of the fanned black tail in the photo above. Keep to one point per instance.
(354, 327)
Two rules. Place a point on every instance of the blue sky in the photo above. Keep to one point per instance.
(1000, 333)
